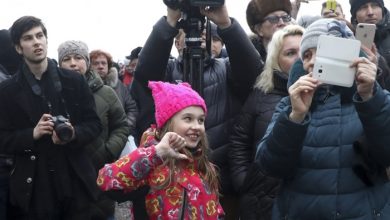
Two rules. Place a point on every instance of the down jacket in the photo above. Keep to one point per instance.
(257, 191)
(109, 144)
(326, 172)
(382, 36)
(124, 96)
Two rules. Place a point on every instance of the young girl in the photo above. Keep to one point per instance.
(172, 161)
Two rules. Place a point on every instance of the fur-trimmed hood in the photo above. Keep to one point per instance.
(112, 79)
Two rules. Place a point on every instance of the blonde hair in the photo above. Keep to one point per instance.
(264, 81)
(208, 171)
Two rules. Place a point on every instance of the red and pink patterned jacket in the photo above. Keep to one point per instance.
(186, 197)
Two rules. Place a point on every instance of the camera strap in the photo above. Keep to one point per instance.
(53, 76)
(51, 70)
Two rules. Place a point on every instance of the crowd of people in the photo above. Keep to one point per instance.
(236, 126)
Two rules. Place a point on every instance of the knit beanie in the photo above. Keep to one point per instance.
(73, 47)
(257, 10)
(172, 98)
(356, 4)
(214, 32)
(325, 26)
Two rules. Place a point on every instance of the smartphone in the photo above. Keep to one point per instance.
(365, 33)
(331, 5)
(333, 59)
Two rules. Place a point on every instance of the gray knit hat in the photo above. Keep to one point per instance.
(325, 26)
(73, 47)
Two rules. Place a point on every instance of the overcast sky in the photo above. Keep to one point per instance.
(116, 26)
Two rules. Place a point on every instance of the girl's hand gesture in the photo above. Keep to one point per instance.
(170, 146)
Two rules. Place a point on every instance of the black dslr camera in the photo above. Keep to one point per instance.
(63, 130)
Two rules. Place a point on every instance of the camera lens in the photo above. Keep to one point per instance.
(320, 70)
(64, 132)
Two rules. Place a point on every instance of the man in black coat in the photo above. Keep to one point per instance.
(52, 177)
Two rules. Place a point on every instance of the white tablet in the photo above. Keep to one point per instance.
(333, 59)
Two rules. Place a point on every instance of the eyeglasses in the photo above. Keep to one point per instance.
(274, 19)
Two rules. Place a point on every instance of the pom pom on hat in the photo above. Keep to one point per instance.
(73, 47)
(172, 98)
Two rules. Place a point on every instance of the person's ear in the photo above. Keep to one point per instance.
(18, 49)
(258, 29)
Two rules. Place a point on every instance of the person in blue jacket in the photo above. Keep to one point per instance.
(328, 144)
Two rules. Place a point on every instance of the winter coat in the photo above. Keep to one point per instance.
(382, 36)
(107, 147)
(257, 41)
(327, 171)
(21, 109)
(3, 74)
(186, 197)
(249, 128)
(124, 96)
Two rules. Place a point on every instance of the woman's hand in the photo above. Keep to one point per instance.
(365, 77)
(301, 96)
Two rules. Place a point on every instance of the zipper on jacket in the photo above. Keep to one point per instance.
(183, 205)
(326, 95)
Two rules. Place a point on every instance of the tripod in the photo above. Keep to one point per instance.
(194, 55)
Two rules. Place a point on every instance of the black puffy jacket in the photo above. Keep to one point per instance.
(257, 190)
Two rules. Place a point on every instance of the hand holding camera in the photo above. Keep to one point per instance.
(218, 16)
(57, 126)
(43, 127)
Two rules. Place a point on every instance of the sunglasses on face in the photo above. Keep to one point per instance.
(274, 19)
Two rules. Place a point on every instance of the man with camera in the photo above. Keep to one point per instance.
(47, 116)
(226, 81)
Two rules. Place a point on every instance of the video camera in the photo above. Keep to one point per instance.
(193, 21)
(193, 24)
(183, 5)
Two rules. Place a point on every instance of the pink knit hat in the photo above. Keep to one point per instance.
(171, 98)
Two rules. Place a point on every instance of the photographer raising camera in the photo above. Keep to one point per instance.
(224, 83)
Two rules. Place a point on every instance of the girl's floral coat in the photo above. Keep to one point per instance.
(186, 197)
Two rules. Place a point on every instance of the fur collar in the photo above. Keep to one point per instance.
(112, 79)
